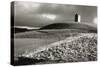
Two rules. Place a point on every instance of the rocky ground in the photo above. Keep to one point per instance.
(79, 48)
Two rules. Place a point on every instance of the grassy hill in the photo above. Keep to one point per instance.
(79, 26)
(55, 43)
(57, 29)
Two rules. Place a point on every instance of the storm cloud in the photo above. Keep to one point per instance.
(27, 13)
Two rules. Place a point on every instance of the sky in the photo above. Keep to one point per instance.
(33, 14)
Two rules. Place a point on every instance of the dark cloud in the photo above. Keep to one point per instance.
(33, 14)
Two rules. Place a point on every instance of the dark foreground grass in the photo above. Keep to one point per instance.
(73, 49)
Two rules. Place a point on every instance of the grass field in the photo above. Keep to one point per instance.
(35, 39)
(29, 44)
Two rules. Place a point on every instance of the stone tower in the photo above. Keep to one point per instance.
(77, 18)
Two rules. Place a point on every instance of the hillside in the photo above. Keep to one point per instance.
(56, 30)
(78, 48)
(51, 33)
(79, 26)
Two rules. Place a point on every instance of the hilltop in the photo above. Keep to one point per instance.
(79, 26)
